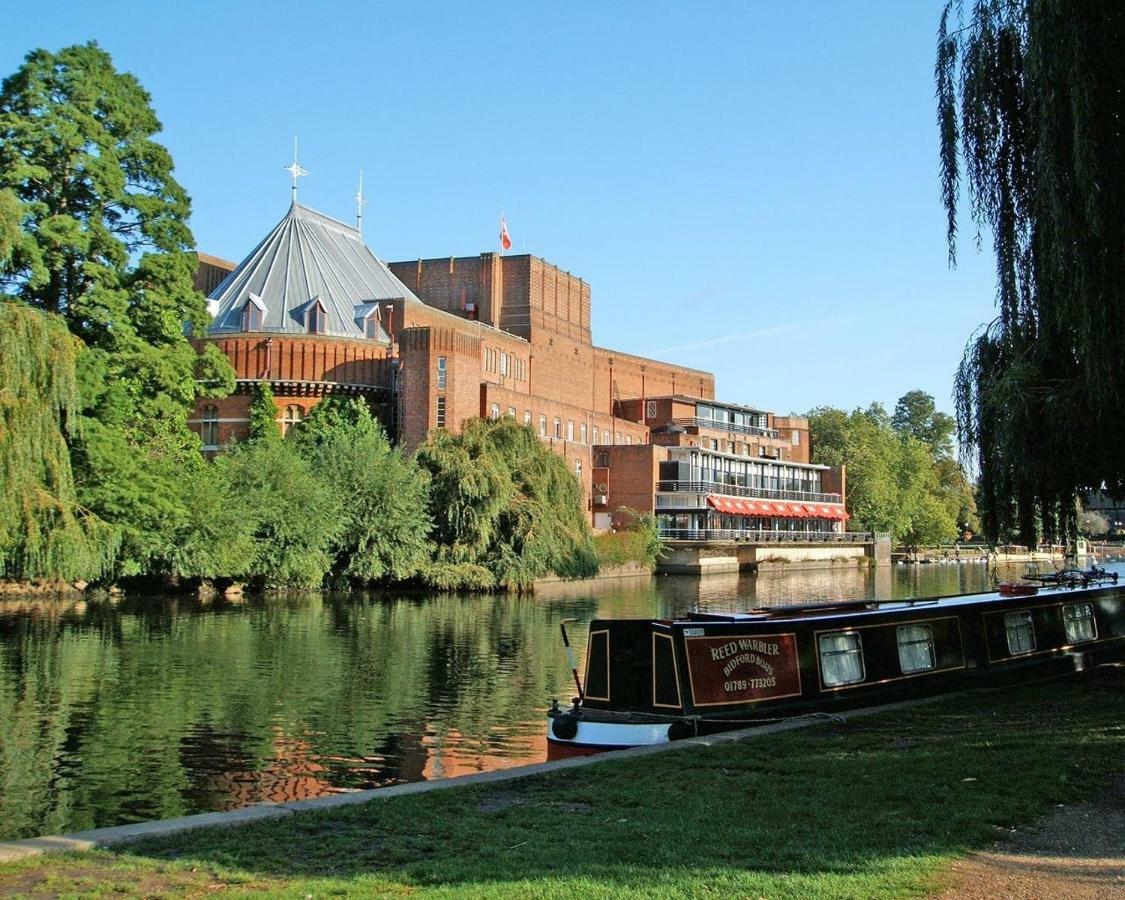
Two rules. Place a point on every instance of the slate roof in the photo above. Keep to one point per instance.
(307, 257)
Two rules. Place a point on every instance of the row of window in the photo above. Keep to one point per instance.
(209, 423)
(567, 431)
(505, 364)
(745, 473)
(316, 320)
(841, 653)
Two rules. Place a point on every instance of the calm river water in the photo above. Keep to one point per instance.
(147, 707)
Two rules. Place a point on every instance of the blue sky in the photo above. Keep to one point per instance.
(750, 188)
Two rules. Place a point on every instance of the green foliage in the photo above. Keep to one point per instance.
(10, 234)
(896, 481)
(1031, 96)
(263, 414)
(381, 496)
(916, 415)
(501, 500)
(638, 542)
(291, 516)
(44, 532)
(1092, 524)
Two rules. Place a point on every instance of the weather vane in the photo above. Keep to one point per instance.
(295, 170)
(360, 202)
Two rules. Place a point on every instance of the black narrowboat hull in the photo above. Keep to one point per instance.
(655, 681)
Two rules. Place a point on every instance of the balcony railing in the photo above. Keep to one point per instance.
(765, 536)
(738, 490)
(695, 421)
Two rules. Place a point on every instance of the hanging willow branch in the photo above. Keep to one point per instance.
(43, 532)
(1031, 101)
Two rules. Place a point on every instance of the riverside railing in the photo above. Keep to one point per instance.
(739, 490)
(766, 536)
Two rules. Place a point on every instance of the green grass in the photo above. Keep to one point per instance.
(875, 808)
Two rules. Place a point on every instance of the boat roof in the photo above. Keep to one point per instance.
(835, 609)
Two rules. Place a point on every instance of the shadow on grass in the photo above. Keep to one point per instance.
(872, 808)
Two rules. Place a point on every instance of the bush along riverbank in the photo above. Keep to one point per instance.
(331, 504)
(876, 807)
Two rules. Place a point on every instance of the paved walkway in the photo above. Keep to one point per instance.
(1075, 853)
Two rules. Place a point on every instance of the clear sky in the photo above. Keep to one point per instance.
(750, 188)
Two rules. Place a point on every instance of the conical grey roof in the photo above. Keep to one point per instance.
(307, 257)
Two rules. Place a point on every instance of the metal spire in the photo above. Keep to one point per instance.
(295, 170)
(360, 202)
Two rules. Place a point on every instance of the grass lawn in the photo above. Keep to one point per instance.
(874, 808)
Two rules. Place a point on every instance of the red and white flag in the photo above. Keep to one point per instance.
(505, 238)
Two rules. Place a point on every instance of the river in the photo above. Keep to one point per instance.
(120, 710)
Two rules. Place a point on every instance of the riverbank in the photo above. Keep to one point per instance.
(877, 807)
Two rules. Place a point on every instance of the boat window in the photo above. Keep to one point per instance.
(841, 658)
(1079, 621)
(915, 648)
(1021, 633)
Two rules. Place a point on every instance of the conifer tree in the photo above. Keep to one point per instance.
(104, 243)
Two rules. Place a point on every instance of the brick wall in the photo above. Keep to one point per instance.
(623, 376)
(630, 478)
(319, 358)
(794, 435)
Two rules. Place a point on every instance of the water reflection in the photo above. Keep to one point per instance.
(142, 708)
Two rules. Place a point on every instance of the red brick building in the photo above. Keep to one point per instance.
(430, 343)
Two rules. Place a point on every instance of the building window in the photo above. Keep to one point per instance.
(796, 438)
(628, 439)
(841, 658)
(251, 317)
(503, 363)
(1021, 632)
(495, 412)
(511, 412)
(441, 411)
(542, 426)
(578, 467)
(292, 418)
(527, 417)
(209, 433)
(371, 326)
(582, 433)
(618, 437)
(601, 459)
(1079, 621)
(317, 319)
(441, 373)
(595, 435)
(558, 428)
(569, 430)
(915, 648)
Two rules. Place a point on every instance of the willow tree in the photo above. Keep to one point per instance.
(505, 509)
(43, 531)
(1031, 105)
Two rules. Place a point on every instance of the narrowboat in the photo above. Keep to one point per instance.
(653, 681)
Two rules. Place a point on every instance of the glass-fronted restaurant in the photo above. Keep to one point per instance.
(705, 491)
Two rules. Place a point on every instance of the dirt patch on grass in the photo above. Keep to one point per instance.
(1074, 853)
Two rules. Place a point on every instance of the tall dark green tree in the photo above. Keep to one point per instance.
(104, 243)
(1031, 106)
